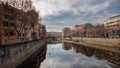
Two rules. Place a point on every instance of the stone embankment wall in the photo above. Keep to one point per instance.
(104, 41)
(101, 43)
(35, 60)
(14, 54)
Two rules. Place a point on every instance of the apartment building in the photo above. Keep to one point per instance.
(43, 32)
(7, 24)
(83, 27)
(112, 26)
(80, 30)
(66, 32)
(17, 25)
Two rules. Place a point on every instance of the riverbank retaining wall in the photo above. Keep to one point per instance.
(14, 54)
(104, 41)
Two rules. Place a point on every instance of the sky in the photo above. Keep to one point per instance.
(57, 14)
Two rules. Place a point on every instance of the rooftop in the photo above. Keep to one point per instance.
(114, 17)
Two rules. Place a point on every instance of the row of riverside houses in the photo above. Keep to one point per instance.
(110, 29)
(19, 25)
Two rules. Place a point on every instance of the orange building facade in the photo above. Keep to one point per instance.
(7, 25)
(18, 26)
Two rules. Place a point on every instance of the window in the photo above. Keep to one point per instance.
(5, 24)
(12, 25)
(8, 10)
(8, 32)
(8, 17)
(11, 33)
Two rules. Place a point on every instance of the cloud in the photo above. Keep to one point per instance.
(52, 7)
(63, 13)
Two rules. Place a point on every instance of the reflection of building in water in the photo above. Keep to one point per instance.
(112, 57)
(76, 49)
(67, 46)
(83, 50)
(35, 60)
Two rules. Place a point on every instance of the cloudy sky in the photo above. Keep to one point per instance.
(58, 14)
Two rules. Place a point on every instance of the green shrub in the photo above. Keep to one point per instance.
(67, 39)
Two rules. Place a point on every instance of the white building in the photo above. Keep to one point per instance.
(112, 26)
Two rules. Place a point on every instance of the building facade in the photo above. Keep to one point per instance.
(7, 24)
(66, 32)
(17, 25)
(43, 32)
(80, 30)
(112, 26)
(83, 27)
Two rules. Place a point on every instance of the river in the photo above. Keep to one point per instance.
(72, 56)
(67, 55)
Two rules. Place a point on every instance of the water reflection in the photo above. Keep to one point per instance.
(36, 59)
(112, 58)
(53, 41)
(67, 46)
(73, 56)
(68, 55)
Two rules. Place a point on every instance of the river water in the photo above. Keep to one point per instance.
(65, 55)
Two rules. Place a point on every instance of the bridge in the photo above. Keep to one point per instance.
(53, 38)
(13, 55)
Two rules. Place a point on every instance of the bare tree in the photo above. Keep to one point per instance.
(97, 31)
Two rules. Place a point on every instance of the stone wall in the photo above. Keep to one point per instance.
(35, 60)
(104, 41)
(14, 54)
